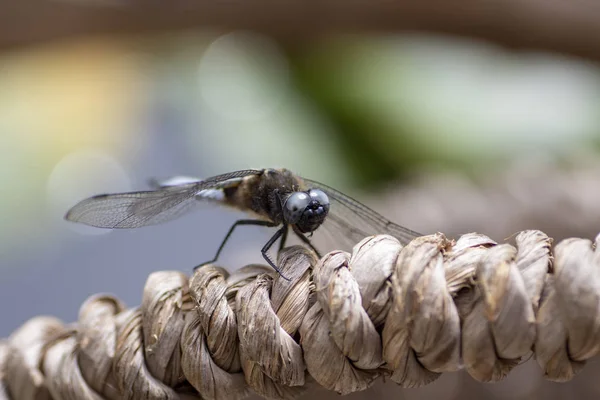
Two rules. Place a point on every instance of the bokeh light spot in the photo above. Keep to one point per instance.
(243, 76)
(79, 175)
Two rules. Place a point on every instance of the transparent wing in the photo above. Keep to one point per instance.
(349, 221)
(143, 208)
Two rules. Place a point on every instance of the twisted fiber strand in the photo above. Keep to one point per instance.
(410, 313)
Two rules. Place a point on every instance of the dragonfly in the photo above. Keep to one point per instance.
(270, 197)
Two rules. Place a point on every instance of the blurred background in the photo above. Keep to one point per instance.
(479, 119)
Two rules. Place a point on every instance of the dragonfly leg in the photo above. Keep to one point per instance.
(283, 239)
(285, 232)
(268, 245)
(257, 222)
(306, 240)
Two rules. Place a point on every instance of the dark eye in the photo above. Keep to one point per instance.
(320, 196)
(295, 206)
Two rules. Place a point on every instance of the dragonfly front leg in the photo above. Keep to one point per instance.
(268, 245)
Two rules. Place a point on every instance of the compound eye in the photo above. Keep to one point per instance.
(295, 206)
(320, 196)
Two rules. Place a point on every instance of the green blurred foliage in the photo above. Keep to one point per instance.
(383, 96)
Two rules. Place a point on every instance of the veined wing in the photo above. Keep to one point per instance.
(150, 207)
(350, 221)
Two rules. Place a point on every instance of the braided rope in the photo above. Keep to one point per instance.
(409, 313)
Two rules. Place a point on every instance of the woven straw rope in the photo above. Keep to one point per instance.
(410, 313)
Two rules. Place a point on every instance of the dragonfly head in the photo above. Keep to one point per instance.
(307, 210)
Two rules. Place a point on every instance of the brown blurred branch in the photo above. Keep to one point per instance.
(560, 197)
(570, 27)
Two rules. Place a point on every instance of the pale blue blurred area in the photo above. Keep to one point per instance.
(101, 116)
